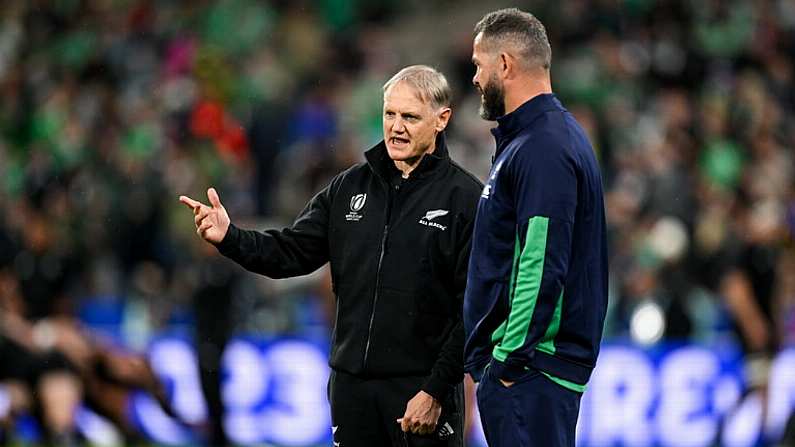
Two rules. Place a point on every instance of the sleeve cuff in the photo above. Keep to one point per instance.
(229, 244)
(506, 371)
(437, 388)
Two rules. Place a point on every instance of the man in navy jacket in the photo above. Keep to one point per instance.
(536, 290)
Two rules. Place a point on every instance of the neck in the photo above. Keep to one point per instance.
(408, 165)
(527, 89)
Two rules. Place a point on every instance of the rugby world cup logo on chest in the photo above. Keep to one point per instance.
(357, 203)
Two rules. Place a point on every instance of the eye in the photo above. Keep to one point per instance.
(389, 114)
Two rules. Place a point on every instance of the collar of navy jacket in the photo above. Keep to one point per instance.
(508, 125)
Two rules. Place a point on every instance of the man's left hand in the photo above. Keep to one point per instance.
(422, 414)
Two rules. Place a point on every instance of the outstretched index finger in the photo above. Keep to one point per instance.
(190, 203)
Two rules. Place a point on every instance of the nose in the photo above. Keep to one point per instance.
(475, 79)
(398, 126)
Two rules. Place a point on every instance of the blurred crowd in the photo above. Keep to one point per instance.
(113, 108)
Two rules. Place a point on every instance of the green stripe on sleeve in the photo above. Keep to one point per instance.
(527, 286)
(498, 333)
(547, 343)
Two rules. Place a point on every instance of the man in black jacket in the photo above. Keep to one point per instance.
(396, 231)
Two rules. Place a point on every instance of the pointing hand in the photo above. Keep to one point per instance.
(212, 222)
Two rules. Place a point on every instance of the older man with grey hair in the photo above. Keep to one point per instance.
(396, 232)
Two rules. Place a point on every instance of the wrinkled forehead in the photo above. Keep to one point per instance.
(403, 95)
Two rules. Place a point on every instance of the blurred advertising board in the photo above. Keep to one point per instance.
(684, 395)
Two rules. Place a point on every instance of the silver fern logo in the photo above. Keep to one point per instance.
(427, 219)
(431, 215)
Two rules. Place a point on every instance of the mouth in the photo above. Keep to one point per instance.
(399, 142)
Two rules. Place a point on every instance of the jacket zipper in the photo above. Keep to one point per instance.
(378, 272)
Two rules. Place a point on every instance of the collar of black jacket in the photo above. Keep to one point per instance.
(378, 159)
(525, 114)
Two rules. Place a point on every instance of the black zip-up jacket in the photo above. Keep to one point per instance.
(399, 253)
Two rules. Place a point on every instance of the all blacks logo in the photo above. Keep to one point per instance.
(357, 203)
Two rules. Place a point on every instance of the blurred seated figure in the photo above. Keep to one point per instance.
(62, 362)
(29, 369)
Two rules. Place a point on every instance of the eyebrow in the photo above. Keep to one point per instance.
(408, 113)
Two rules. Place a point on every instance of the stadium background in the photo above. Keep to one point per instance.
(113, 108)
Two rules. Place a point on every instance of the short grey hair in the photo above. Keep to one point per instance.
(431, 85)
(520, 29)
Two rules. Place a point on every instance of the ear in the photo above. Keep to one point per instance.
(442, 118)
(508, 66)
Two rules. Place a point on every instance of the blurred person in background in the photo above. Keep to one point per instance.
(752, 289)
(396, 231)
(32, 369)
(62, 361)
(216, 289)
(31, 286)
(536, 294)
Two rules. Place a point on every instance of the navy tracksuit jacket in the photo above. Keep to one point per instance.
(536, 290)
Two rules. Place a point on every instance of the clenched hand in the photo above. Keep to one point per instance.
(422, 414)
(212, 222)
